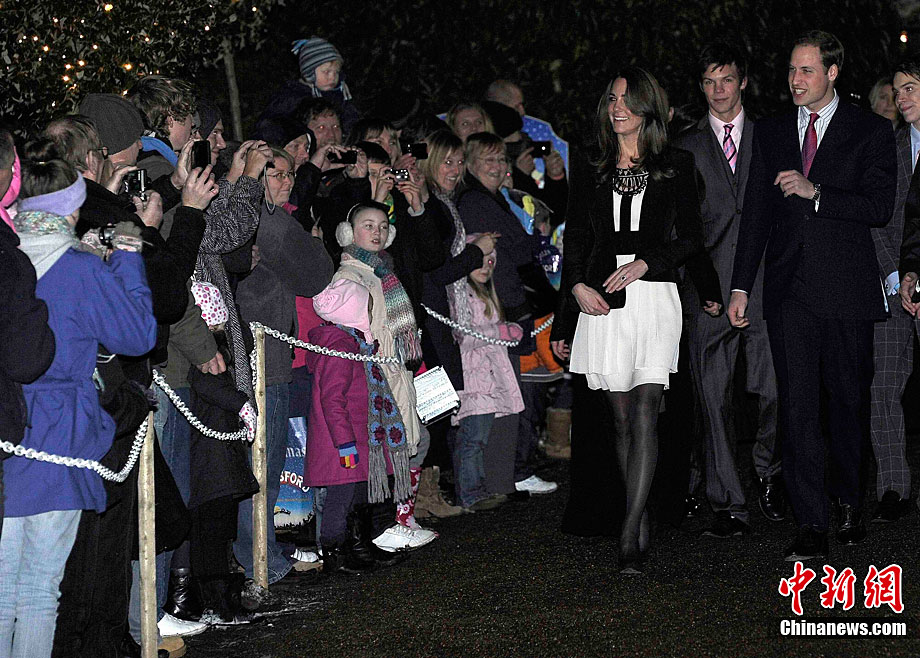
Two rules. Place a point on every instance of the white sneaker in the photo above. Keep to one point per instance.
(302, 555)
(170, 626)
(401, 538)
(536, 485)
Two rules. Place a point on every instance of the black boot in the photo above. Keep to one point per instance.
(223, 596)
(339, 560)
(364, 526)
(183, 599)
(357, 546)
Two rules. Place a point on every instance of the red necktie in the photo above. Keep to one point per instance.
(809, 145)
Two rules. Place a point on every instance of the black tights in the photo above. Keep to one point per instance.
(635, 416)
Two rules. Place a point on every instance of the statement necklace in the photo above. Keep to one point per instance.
(629, 182)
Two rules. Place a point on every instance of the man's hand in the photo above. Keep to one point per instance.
(737, 307)
(180, 173)
(259, 155)
(319, 159)
(560, 349)
(199, 188)
(625, 275)
(793, 182)
(359, 168)
(908, 288)
(555, 165)
(113, 184)
(413, 194)
(215, 366)
(150, 211)
(589, 300)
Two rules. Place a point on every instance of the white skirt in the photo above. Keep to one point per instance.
(634, 345)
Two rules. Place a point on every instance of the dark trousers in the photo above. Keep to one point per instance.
(341, 499)
(93, 612)
(821, 360)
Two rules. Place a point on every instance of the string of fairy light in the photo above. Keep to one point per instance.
(67, 34)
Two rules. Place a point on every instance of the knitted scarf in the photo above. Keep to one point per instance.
(400, 318)
(456, 291)
(385, 431)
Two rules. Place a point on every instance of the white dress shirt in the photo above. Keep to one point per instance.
(718, 127)
(825, 114)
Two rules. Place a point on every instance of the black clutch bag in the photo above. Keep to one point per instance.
(614, 299)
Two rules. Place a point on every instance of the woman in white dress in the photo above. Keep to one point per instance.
(633, 226)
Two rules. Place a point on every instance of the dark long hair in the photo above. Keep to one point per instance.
(646, 99)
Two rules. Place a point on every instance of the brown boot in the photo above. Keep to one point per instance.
(430, 501)
(558, 443)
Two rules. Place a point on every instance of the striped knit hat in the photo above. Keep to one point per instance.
(314, 52)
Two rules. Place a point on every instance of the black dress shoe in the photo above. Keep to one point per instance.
(772, 500)
(850, 528)
(693, 506)
(891, 508)
(809, 543)
(726, 526)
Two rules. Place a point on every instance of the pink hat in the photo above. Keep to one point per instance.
(345, 302)
(211, 302)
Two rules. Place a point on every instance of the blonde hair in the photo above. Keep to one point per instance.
(452, 113)
(486, 292)
(440, 144)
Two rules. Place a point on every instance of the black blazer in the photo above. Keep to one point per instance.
(910, 244)
(670, 206)
(825, 260)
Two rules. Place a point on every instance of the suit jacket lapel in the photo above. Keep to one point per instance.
(838, 131)
(905, 166)
(714, 150)
(744, 157)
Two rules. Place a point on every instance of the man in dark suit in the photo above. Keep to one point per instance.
(721, 147)
(894, 338)
(820, 178)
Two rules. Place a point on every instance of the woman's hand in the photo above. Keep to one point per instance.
(359, 168)
(183, 165)
(259, 155)
(486, 242)
(199, 188)
(589, 300)
(712, 309)
(560, 349)
(239, 161)
(525, 162)
(320, 158)
(625, 275)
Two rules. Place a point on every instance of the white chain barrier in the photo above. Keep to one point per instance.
(290, 340)
(89, 464)
(486, 339)
(239, 435)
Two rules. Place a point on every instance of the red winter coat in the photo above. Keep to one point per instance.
(338, 411)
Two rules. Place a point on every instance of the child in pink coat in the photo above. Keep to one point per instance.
(490, 388)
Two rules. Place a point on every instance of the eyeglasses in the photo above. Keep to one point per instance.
(104, 150)
(282, 176)
(494, 159)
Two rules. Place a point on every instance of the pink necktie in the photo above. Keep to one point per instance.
(809, 145)
(728, 147)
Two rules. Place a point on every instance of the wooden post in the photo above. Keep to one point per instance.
(146, 522)
(260, 513)
(234, 91)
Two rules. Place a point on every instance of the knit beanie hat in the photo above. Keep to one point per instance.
(505, 119)
(314, 52)
(117, 121)
(208, 115)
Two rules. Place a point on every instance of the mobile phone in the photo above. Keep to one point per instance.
(541, 149)
(419, 151)
(347, 158)
(201, 154)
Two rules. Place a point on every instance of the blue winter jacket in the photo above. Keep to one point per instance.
(89, 302)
